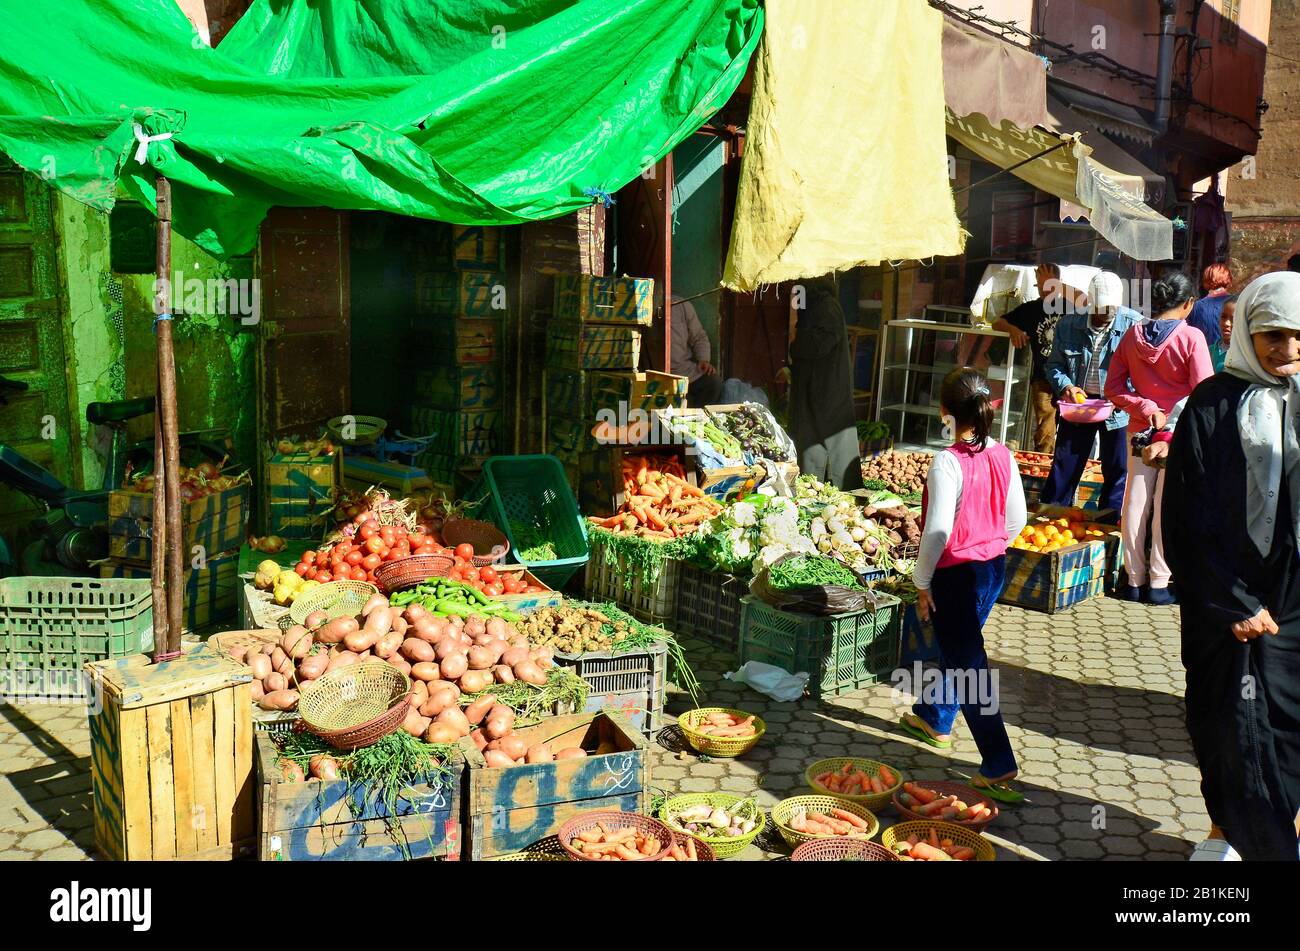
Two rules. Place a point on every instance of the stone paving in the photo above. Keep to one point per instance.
(1092, 700)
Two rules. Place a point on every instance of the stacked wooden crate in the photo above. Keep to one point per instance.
(460, 300)
(592, 349)
(299, 493)
(213, 528)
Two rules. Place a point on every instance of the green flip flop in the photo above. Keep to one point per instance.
(1002, 792)
(923, 735)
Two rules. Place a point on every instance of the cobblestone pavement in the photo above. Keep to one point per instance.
(1092, 700)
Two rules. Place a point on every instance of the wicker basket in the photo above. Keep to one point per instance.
(703, 851)
(843, 850)
(482, 536)
(967, 794)
(356, 705)
(335, 598)
(613, 821)
(786, 808)
(873, 801)
(724, 847)
(365, 429)
(717, 746)
(222, 644)
(409, 571)
(945, 830)
(546, 850)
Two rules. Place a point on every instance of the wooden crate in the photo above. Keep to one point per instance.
(211, 592)
(1053, 581)
(592, 346)
(463, 247)
(457, 342)
(507, 810)
(171, 756)
(217, 523)
(459, 387)
(604, 300)
(460, 294)
(475, 432)
(1114, 539)
(337, 821)
(361, 472)
(298, 493)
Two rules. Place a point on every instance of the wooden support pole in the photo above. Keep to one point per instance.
(668, 263)
(169, 552)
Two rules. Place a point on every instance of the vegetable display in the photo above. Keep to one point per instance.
(932, 849)
(726, 726)
(851, 781)
(623, 845)
(929, 803)
(803, 571)
(903, 472)
(446, 597)
(756, 432)
(207, 478)
(286, 584)
(658, 502)
(1048, 535)
(501, 747)
(715, 822)
(833, 822)
(698, 430)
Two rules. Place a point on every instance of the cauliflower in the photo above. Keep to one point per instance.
(744, 514)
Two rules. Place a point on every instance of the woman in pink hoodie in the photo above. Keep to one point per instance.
(1157, 366)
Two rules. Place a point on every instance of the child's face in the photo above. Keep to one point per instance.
(1278, 351)
(1225, 321)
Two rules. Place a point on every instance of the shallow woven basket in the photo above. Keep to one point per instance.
(724, 847)
(365, 429)
(873, 801)
(967, 794)
(960, 835)
(841, 850)
(703, 851)
(482, 536)
(718, 746)
(409, 571)
(335, 598)
(546, 850)
(784, 810)
(613, 821)
(356, 705)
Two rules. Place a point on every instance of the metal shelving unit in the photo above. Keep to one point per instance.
(915, 357)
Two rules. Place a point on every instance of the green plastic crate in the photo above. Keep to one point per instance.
(529, 496)
(51, 627)
(840, 653)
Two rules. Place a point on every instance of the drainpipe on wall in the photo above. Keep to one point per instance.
(1165, 66)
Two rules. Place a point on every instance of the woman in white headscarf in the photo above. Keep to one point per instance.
(1232, 538)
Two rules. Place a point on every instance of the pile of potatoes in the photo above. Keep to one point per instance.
(901, 471)
(455, 654)
(489, 724)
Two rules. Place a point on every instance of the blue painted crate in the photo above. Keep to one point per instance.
(1048, 582)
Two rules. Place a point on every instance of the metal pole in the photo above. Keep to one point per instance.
(167, 426)
(1165, 64)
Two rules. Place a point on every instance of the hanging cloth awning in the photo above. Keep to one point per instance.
(1073, 161)
(998, 80)
(845, 162)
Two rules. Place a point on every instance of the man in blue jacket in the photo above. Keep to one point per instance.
(1081, 353)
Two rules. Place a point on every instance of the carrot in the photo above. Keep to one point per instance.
(922, 794)
(963, 853)
(934, 837)
(821, 780)
(690, 850)
(887, 777)
(850, 818)
(932, 808)
(848, 767)
(623, 852)
(877, 785)
(913, 839)
(654, 521)
(929, 853)
(907, 799)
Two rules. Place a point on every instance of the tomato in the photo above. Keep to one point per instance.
(465, 550)
(515, 586)
(393, 554)
(489, 574)
(371, 562)
(308, 557)
(367, 531)
(323, 576)
(375, 545)
(355, 557)
(358, 574)
(388, 535)
(494, 591)
(301, 569)
(416, 539)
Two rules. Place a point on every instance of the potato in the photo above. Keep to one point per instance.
(441, 733)
(237, 654)
(399, 663)
(316, 619)
(286, 665)
(573, 752)
(376, 602)
(541, 753)
(416, 650)
(260, 665)
(454, 666)
(419, 693)
(336, 630)
(453, 716)
(341, 659)
(312, 666)
(380, 621)
(472, 681)
(257, 691)
(481, 658)
(477, 710)
(290, 772)
(513, 746)
(269, 649)
(279, 700)
(529, 672)
(274, 682)
(361, 640)
(415, 613)
(495, 759)
(296, 642)
(475, 626)
(387, 645)
(425, 671)
(323, 766)
(447, 647)
(425, 630)
(415, 723)
(514, 655)
(503, 674)
(399, 626)
(498, 726)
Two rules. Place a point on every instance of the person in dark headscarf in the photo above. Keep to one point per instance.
(1232, 537)
(823, 424)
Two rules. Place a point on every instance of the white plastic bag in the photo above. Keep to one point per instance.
(772, 681)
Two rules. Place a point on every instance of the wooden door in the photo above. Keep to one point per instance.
(37, 423)
(644, 247)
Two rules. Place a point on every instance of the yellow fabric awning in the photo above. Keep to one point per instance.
(1059, 161)
(846, 160)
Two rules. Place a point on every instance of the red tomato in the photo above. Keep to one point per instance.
(416, 539)
(375, 545)
(489, 574)
(393, 554)
(388, 535)
(308, 557)
(323, 576)
(465, 550)
(515, 586)
(425, 550)
(367, 531)
(354, 557)
(371, 562)
(302, 568)
(494, 591)
(322, 559)
(358, 574)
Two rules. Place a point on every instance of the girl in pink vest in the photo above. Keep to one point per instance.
(973, 506)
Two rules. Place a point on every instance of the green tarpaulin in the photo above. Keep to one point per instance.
(471, 111)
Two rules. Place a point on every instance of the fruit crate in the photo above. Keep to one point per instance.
(1054, 581)
(528, 497)
(708, 606)
(613, 579)
(840, 653)
(51, 627)
(632, 682)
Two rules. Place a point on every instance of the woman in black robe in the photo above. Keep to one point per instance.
(1232, 537)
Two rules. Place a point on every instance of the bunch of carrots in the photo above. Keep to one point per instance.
(726, 726)
(850, 778)
(838, 822)
(928, 803)
(623, 845)
(932, 849)
(682, 853)
(658, 501)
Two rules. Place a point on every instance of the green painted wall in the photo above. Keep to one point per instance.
(110, 338)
